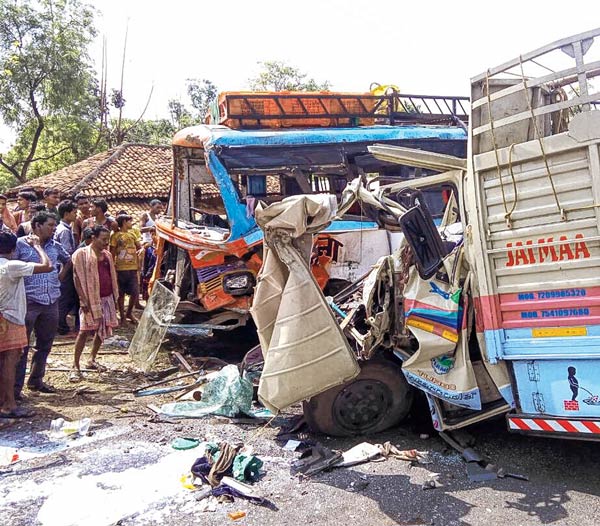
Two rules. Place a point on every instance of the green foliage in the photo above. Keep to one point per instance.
(149, 132)
(48, 91)
(180, 115)
(202, 93)
(278, 76)
(64, 140)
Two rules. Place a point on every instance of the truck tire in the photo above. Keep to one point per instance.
(377, 399)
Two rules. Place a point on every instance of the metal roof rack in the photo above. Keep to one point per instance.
(251, 110)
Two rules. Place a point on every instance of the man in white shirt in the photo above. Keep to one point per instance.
(13, 308)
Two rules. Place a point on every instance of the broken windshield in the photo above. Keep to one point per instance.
(271, 173)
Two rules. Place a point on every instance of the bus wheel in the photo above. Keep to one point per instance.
(377, 399)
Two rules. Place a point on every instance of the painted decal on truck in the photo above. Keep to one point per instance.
(551, 294)
(544, 250)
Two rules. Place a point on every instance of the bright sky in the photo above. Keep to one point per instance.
(429, 47)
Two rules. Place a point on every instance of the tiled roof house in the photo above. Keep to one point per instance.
(127, 176)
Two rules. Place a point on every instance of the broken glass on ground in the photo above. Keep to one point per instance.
(152, 327)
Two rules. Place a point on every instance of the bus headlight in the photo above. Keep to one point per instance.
(238, 284)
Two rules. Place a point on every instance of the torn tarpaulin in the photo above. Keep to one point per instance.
(227, 394)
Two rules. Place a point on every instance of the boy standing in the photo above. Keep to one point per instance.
(51, 199)
(24, 201)
(7, 221)
(124, 246)
(13, 308)
(83, 213)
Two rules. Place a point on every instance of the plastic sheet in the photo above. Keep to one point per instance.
(227, 394)
(152, 327)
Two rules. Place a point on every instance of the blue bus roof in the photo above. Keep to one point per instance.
(332, 135)
(227, 137)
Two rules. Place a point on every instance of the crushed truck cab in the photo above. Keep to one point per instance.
(496, 308)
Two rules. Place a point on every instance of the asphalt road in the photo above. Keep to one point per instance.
(127, 473)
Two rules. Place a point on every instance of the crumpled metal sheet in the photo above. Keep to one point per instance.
(377, 299)
(305, 351)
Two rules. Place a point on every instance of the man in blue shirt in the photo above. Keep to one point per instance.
(43, 292)
(67, 211)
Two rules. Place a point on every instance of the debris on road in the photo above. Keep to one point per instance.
(227, 394)
(61, 428)
(292, 445)
(478, 468)
(387, 449)
(185, 443)
(8, 456)
(358, 454)
(208, 504)
(316, 459)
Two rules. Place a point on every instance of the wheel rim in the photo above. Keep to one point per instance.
(362, 405)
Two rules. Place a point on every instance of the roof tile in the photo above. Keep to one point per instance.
(128, 171)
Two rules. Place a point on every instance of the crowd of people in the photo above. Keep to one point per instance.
(62, 259)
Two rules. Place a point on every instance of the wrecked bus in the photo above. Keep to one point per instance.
(209, 246)
(496, 310)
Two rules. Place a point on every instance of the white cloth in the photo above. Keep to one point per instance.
(13, 302)
(147, 236)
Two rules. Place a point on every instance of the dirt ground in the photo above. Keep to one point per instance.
(126, 472)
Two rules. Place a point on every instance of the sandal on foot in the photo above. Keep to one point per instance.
(96, 366)
(17, 412)
(75, 376)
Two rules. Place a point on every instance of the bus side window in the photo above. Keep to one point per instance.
(257, 185)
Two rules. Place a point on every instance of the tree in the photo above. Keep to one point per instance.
(278, 76)
(65, 140)
(202, 93)
(180, 115)
(159, 131)
(48, 91)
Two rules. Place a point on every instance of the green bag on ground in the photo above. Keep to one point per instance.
(246, 468)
